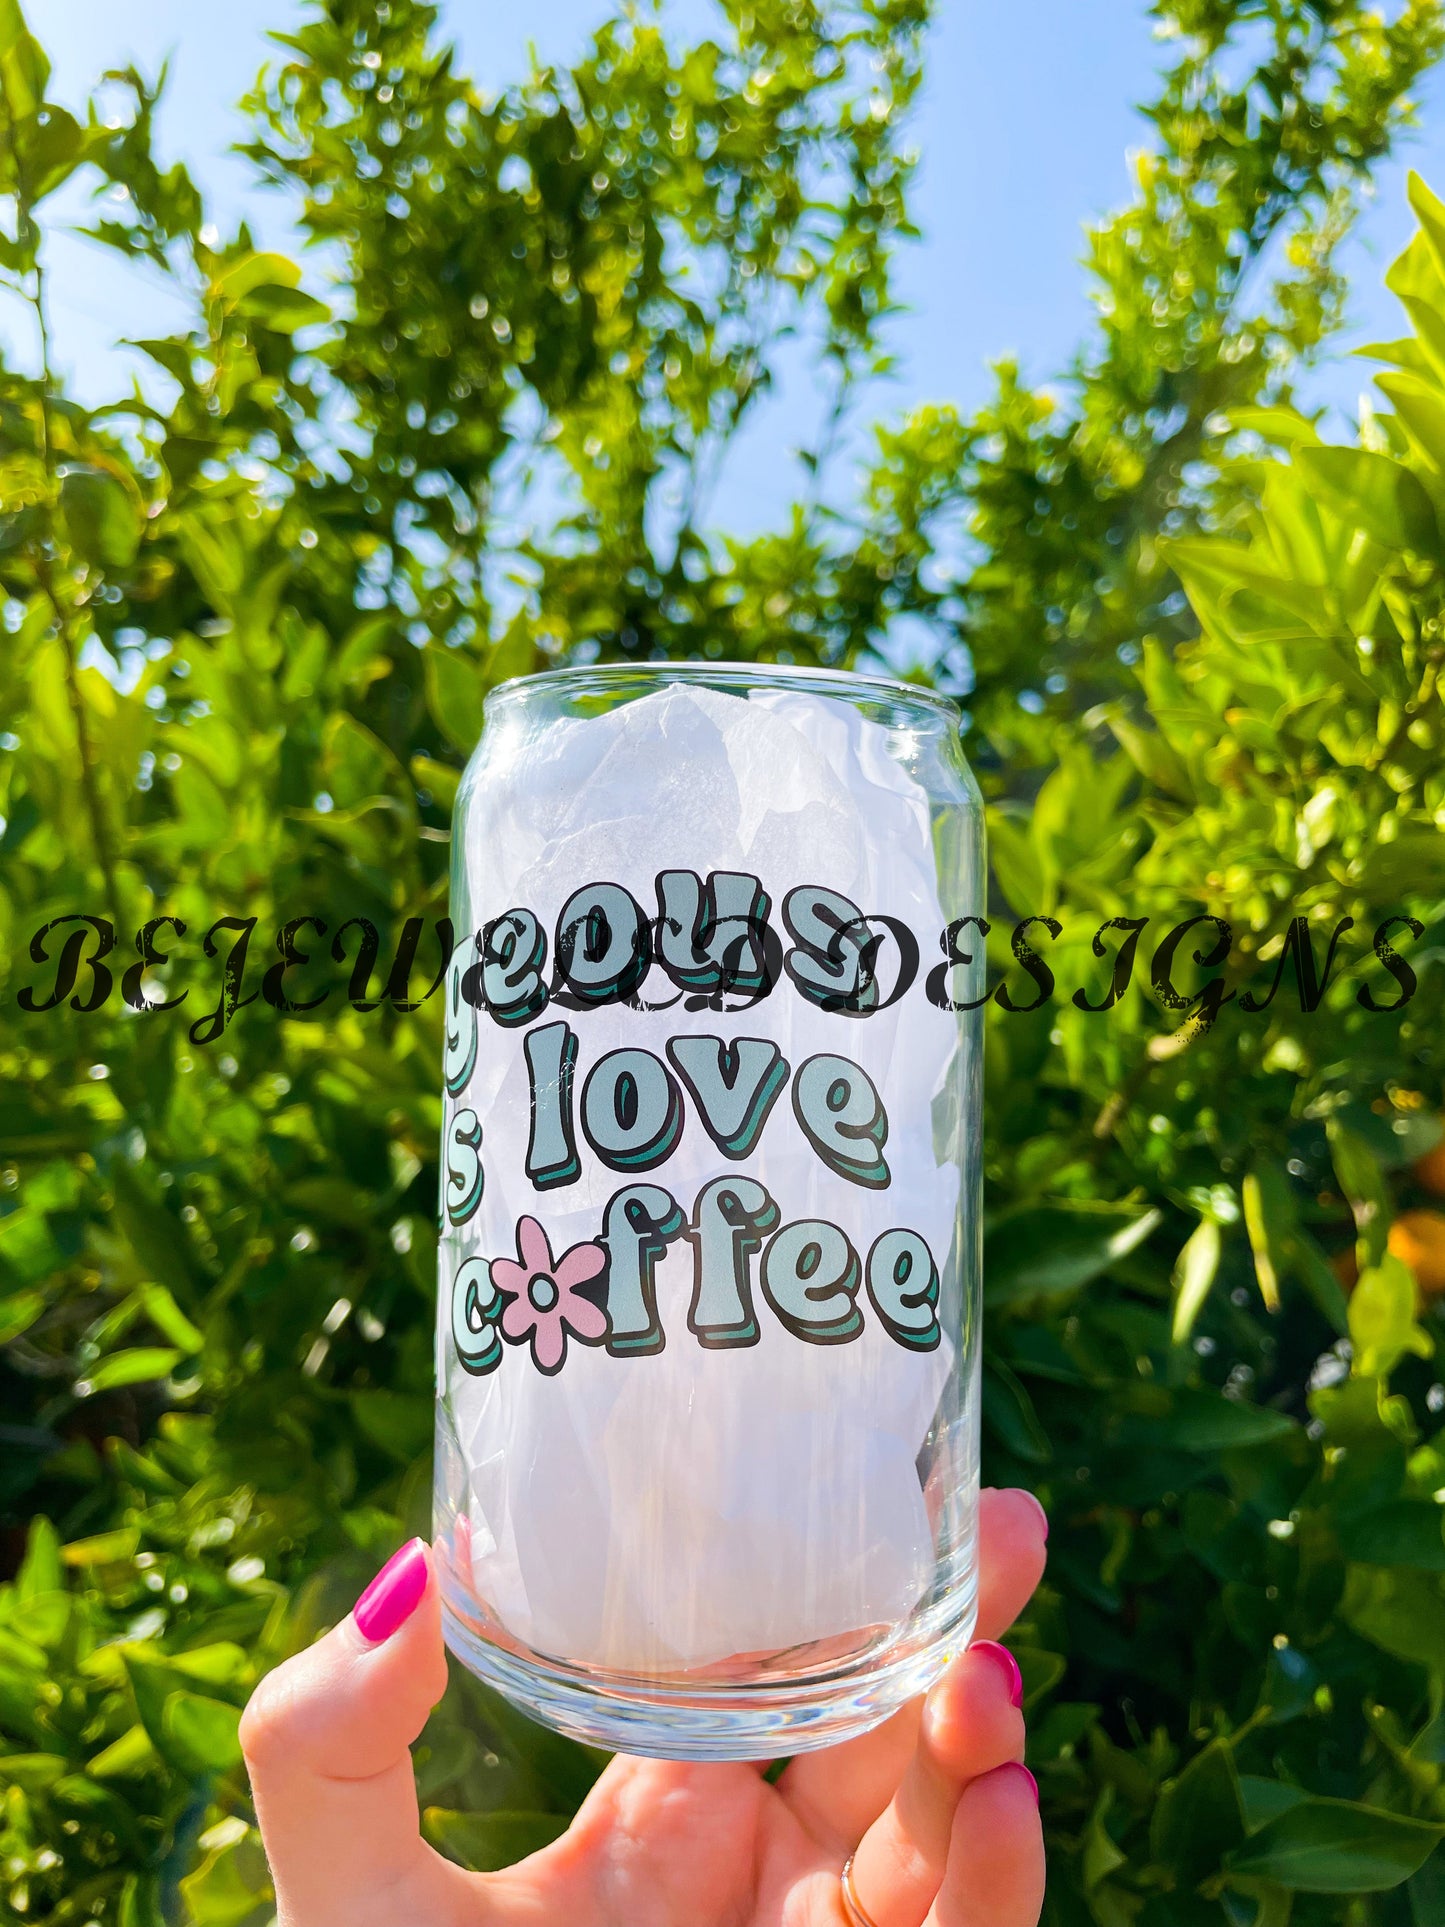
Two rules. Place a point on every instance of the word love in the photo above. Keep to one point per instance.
(604, 1292)
(632, 1109)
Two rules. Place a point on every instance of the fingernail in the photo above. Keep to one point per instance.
(1007, 1665)
(394, 1595)
(1017, 1766)
(1043, 1516)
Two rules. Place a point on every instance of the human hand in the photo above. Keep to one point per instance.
(934, 1806)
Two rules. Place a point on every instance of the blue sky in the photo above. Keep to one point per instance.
(1024, 131)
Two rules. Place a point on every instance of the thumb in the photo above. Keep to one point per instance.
(326, 1739)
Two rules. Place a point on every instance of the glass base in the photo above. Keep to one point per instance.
(671, 1721)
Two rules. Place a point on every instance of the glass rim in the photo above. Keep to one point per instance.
(845, 683)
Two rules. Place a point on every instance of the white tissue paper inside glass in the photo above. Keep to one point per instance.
(707, 1330)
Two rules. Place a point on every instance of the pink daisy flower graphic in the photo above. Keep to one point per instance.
(544, 1302)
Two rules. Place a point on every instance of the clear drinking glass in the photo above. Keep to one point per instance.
(708, 1335)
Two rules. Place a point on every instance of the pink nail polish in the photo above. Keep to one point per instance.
(1006, 1664)
(1017, 1766)
(1043, 1516)
(394, 1595)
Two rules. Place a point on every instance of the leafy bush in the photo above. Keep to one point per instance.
(251, 614)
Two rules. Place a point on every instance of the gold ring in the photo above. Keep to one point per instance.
(857, 1913)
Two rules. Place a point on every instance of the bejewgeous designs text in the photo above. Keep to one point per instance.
(717, 955)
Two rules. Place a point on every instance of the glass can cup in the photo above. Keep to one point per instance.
(708, 1333)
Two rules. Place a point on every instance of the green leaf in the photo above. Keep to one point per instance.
(1264, 1800)
(133, 1753)
(101, 516)
(1420, 405)
(168, 1318)
(193, 1730)
(1337, 1847)
(1307, 1263)
(1269, 1219)
(24, 69)
(1198, 1817)
(1153, 756)
(455, 693)
(140, 1902)
(1042, 1671)
(1429, 211)
(513, 654)
(201, 806)
(1050, 1250)
(40, 1570)
(116, 1547)
(231, 1887)
(1427, 1891)
(1398, 1609)
(1291, 1685)
(485, 1842)
(1194, 1271)
(136, 1367)
(1406, 1533)
(174, 355)
(399, 1422)
(283, 310)
(1363, 1185)
(1283, 425)
(34, 1772)
(1015, 862)
(440, 779)
(1009, 1413)
(357, 763)
(1061, 1726)
(154, 1235)
(1248, 596)
(362, 657)
(18, 1312)
(1202, 1421)
(1429, 1743)
(200, 1733)
(1382, 1318)
(28, 1250)
(252, 271)
(1374, 493)
(51, 146)
(1101, 1854)
(222, 1663)
(1395, 1138)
